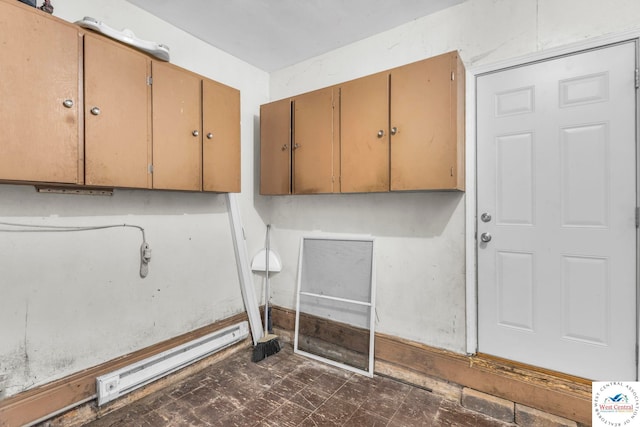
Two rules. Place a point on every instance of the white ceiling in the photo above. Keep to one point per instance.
(272, 34)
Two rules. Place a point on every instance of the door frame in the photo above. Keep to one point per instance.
(471, 253)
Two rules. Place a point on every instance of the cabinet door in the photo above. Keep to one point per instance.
(221, 139)
(275, 148)
(364, 141)
(177, 141)
(315, 157)
(117, 115)
(424, 121)
(39, 97)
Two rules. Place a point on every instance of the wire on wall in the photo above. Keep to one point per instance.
(145, 250)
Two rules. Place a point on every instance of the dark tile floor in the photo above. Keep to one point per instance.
(287, 389)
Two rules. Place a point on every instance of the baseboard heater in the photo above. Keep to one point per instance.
(118, 383)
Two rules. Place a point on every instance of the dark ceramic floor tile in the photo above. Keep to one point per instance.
(152, 419)
(288, 415)
(319, 420)
(354, 392)
(242, 392)
(421, 404)
(390, 388)
(310, 398)
(179, 413)
(283, 363)
(287, 387)
(306, 374)
(452, 414)
(242, 418)
(155, 400)
(381, 405)
(219, 407)
(260, 376)
(265, 404)
(199, 397)
(363, 418)
(405, 420)
(336, 410)
(285, 390)
(328, 383)
(183, 388)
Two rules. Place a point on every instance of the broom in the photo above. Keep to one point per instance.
(268, 345)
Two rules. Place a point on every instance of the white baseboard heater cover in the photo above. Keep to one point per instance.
(118, 383)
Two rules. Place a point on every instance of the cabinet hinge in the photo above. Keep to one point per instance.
(637, 217)
(149, 80)
(453, 76)
(150, 168)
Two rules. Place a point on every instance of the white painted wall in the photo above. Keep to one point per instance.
(69, 301)
(420, 237)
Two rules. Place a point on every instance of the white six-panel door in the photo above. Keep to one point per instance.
(556, 197)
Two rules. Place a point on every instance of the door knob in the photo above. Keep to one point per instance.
(195, 133)
(95, 111)
(485, 217)
(68, 103)
(394, 130)
(485, 237)
(284, 147)
(209, 135)
(380, 133)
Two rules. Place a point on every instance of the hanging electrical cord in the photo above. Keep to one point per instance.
(145, 250)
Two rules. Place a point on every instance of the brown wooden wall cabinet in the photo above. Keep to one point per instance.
(196, 128)
(399, 130)
(177, 128)
(220, 137)
(364, 135)
(117, 111)
(298, 150)
(79, 108)
(275, 151)
(41, 98)
(427, 124)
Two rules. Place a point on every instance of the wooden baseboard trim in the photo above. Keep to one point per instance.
(556, 394)
(37, 403)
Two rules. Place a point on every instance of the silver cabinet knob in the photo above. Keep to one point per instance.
(380, 133)
(485, 237)
(95, 111)
(295, 146)
(209, 135)
(394, 130)
(195, 133)
(68, 103)
(485, 217)
(284, 147)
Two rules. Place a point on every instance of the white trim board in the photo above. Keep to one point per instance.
(472, 74)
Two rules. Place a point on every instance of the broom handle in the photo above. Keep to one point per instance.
(267, 290)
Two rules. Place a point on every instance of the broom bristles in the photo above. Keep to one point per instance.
(266, 346)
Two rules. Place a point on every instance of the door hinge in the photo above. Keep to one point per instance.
(149, 80)
(453, 76)
(637, 216)
(637, 79)
(150, 168)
